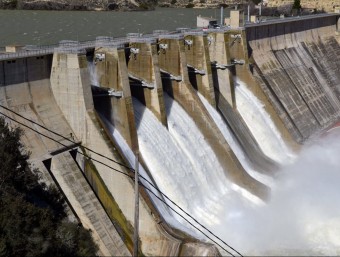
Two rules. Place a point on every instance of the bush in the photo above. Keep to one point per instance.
(297, 4)
(189, 5)
(32, 216)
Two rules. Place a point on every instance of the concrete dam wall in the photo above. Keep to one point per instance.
(297, 66)
(213, 115)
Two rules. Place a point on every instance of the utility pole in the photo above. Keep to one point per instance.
(136, 223)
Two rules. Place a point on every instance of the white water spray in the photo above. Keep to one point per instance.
(183, 164)
(93, 74)
(303, 215)
(260, 124)
(234, 145)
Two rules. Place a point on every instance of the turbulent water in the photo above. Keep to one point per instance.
(183, 164)
(234, 145)
(303, 215)
(261, 125)
(301, 218)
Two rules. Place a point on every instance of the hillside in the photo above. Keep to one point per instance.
(138, 5)
(86, 5)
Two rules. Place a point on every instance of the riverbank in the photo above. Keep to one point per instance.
(79, 5)
(113, 5)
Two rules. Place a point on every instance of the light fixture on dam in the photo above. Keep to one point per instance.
(210, 40)
(134, 52)
(162, 47)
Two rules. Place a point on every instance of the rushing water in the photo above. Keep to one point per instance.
(234, 145)
(49, 27)
(183, 164)
(301, 218)
(260, 124)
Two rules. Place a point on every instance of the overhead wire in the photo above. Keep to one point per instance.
(123, 165)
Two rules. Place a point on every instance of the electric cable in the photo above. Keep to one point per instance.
(66, 138)
(131, 169)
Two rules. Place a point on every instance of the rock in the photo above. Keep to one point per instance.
(93, 5)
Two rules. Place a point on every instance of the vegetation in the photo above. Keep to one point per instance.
(33, 221)
(189, 5)
(256, 1)
(297, 4)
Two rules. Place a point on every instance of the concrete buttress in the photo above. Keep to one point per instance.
(112, 73)
(199, 66)
(176, 83)
(218, 44)
(145, 76)
(115, 191)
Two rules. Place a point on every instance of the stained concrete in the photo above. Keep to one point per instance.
(112, 73)
(144, 66)
(219, 54)
(88, 208)
(186, 96)
(199, 66)
(297, 66)
(70, 81)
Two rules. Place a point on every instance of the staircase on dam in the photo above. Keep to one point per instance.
(165, 95)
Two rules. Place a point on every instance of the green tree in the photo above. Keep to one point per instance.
(33, 221)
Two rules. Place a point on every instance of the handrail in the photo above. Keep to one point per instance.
(22, 54)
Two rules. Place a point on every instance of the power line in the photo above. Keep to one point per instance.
(62, 136)
(88, 157)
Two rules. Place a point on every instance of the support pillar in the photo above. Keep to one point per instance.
(198, 63)
(218, 44)
(112, 73)
(145, 76)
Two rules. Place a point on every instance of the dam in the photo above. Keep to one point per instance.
(214, 115)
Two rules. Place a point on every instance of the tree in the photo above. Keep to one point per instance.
(256, 1)
(33, 221)
(297, 4)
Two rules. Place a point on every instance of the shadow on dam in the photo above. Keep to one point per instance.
(216, 156)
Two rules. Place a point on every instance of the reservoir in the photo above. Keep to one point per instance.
(48, 27)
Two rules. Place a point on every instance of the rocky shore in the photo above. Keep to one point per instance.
(81, 5)
(138, 5)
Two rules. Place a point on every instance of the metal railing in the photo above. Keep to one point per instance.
(23, 54)
(171, 36)
(79, 47)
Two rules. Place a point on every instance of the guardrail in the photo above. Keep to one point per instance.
(290, 19)
(70, 46)
(23, 54)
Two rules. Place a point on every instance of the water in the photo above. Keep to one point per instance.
(260, 124)
(49, 27)
(183, 165)
(130, 156)
(302, 217)
(234, 145)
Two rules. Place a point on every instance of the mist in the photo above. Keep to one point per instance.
(303, 214)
